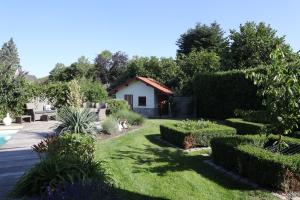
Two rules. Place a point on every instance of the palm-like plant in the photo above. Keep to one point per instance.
(76, 120)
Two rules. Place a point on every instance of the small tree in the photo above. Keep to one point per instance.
(75, 97)
(279, 85)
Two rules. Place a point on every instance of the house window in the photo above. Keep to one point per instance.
(142, 101)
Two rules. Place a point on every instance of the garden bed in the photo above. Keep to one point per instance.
(185, 135)
(247, 156)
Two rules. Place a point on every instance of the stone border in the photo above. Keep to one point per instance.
(236, 177)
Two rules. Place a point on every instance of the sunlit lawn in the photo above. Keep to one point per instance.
(144, 167)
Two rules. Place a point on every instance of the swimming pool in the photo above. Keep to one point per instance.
(6, 135)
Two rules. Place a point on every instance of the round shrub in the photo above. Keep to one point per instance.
(115, 105)
(131, 117)
(77, 146)
(110, 125)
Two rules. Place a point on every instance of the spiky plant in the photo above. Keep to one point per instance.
(76, 120)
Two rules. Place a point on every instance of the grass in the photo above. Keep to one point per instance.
(144, 167)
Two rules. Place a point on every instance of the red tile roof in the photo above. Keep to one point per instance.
(148, 81)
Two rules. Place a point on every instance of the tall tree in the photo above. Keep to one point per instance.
(252, 45)
(9, 56)
(108, 66)
(202, 37)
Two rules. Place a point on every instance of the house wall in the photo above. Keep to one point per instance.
(138, 88)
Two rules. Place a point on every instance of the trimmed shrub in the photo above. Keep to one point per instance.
(244, 127)
(110, 125)
(131, 117)
(219, 94)
(246, 155)
(258, 116)
(198, 137)
(115, 105)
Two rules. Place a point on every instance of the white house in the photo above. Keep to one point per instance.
(145, 96)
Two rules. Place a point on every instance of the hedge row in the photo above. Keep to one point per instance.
(244, 127)
(246, 156)
(219, 94)
(196, 138)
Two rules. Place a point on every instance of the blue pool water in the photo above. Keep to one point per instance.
(6, 135)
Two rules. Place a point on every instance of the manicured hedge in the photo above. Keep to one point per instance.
(219, 94)
(195, 138)
(246, 156)
(244, 127)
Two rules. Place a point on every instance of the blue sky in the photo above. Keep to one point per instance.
(47, 32)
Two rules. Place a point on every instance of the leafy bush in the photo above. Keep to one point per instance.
(52, 172)
(115, 105)
(219, 94)
(76, 120)
(93, 91)
(79, 146)
(69, 160)
(131, 117)
(258, 116)
(57, 93)
(244, 127)
(246, 156)
(188, 138)
(110, 125)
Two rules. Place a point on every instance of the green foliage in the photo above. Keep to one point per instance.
(246, 155)
(202, 37)
(93, 91)
(13, 86)
(259, 116)
(76, 70)
(79, 146)
(57, 93)
(244, 127)
(9, 56)
(279, 86)
(182, 135)
(252, 45)
(110, 125)
(76, 120)
(115, 105)
(109, 66)
(131, 117)
(219, 94)
(69, 160)
(199, 61)
(75, 97)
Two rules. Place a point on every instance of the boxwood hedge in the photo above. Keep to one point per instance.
(193, 138)
(246, 156)
(244, 127)
(219, 94)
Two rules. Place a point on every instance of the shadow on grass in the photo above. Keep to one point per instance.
(128, 195)
(163, 159)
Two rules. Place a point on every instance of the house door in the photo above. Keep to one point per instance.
(129, 99)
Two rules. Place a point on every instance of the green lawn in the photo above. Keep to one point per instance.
(143, 167)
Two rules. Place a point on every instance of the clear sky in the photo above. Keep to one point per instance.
(51, 31)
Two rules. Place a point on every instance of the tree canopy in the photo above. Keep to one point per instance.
(202, 37)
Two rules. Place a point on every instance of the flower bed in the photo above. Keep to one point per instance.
(247, 156)
(189, 134)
